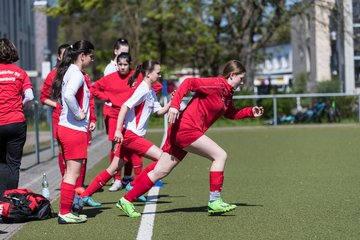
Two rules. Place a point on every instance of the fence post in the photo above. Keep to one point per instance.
(359, 108)
(36, 125)
(275, 109)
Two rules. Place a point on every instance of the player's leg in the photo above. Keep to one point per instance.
(206, 147)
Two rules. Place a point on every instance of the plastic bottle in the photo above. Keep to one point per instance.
(45, 187)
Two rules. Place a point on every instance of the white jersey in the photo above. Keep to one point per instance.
(74, 94)
(111, 68)
(142, 103)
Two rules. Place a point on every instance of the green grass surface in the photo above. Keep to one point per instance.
(288, 183)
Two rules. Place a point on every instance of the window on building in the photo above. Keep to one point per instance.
(357, 73)
(356, 11)
(357, 41)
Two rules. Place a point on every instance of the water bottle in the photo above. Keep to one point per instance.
(45, 187)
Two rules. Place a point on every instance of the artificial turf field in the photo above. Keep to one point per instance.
(288, 183)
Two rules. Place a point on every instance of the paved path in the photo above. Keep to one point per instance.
(31, 174)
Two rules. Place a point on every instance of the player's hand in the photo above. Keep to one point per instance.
(92, 126)
(173, 114)
(118, 136)
(82, 115)
(172, 94)
(258, 111)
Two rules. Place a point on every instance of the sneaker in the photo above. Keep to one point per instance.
(117, 185)
(126, 181)
(218, 206)
(128, 187)
(79, 190)
(70, 218)
(127, 207)
(88, 201)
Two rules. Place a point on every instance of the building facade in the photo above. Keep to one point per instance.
(33, 33)
(326, 44)
(17, 24)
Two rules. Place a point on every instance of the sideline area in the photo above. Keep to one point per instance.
(32, 177)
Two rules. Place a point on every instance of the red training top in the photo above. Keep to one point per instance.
(13, 83)
(213, 98)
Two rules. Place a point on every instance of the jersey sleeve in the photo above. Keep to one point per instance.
(45, 92)
(199, 85)
(27, 82)
(71, 90)
(137, 97)
(234, 113)
(98, 89)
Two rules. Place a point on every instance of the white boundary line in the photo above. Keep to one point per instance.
(147, 220)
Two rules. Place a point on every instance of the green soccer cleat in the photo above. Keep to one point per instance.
(88, 201)
(218, 206)
(71, 218)
(127, 207)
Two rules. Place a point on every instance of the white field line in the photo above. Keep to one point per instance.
(147, 220)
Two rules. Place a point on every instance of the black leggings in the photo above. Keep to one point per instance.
(12, 140)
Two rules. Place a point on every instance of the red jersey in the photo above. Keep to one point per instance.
(45, 93)
(213, 98)
(92, 101)
(13, 83)
(113, 88)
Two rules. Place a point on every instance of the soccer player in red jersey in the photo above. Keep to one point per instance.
(213, 98)
(133, 115)
(45, 98)
(71, 89)
(14, 85)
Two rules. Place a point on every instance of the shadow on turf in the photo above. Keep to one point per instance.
(3, 232)
(92, 212)
(205, 209)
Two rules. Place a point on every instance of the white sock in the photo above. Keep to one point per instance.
(215, 196)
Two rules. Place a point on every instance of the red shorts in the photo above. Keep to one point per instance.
(131, 144)
(73, 143)
(110, 124)
(178, 137)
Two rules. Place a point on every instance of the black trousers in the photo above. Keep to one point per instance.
(12, 140)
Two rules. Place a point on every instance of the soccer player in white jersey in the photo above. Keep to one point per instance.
(132, 124)
(71, 90)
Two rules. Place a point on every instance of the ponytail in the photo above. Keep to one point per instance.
(61, 70)
(133, 77)
(147, 66)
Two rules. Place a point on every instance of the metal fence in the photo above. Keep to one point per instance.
(40, 138)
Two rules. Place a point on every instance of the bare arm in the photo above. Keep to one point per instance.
(120, 122)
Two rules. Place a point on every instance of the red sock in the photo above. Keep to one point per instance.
(61, 163)
(144, 185)
(99, 181)
(81, 178)
(148, 168)
(67, 192)
(137, 163)
(216, 181)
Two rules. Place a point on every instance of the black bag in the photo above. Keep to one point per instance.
(22, 205)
